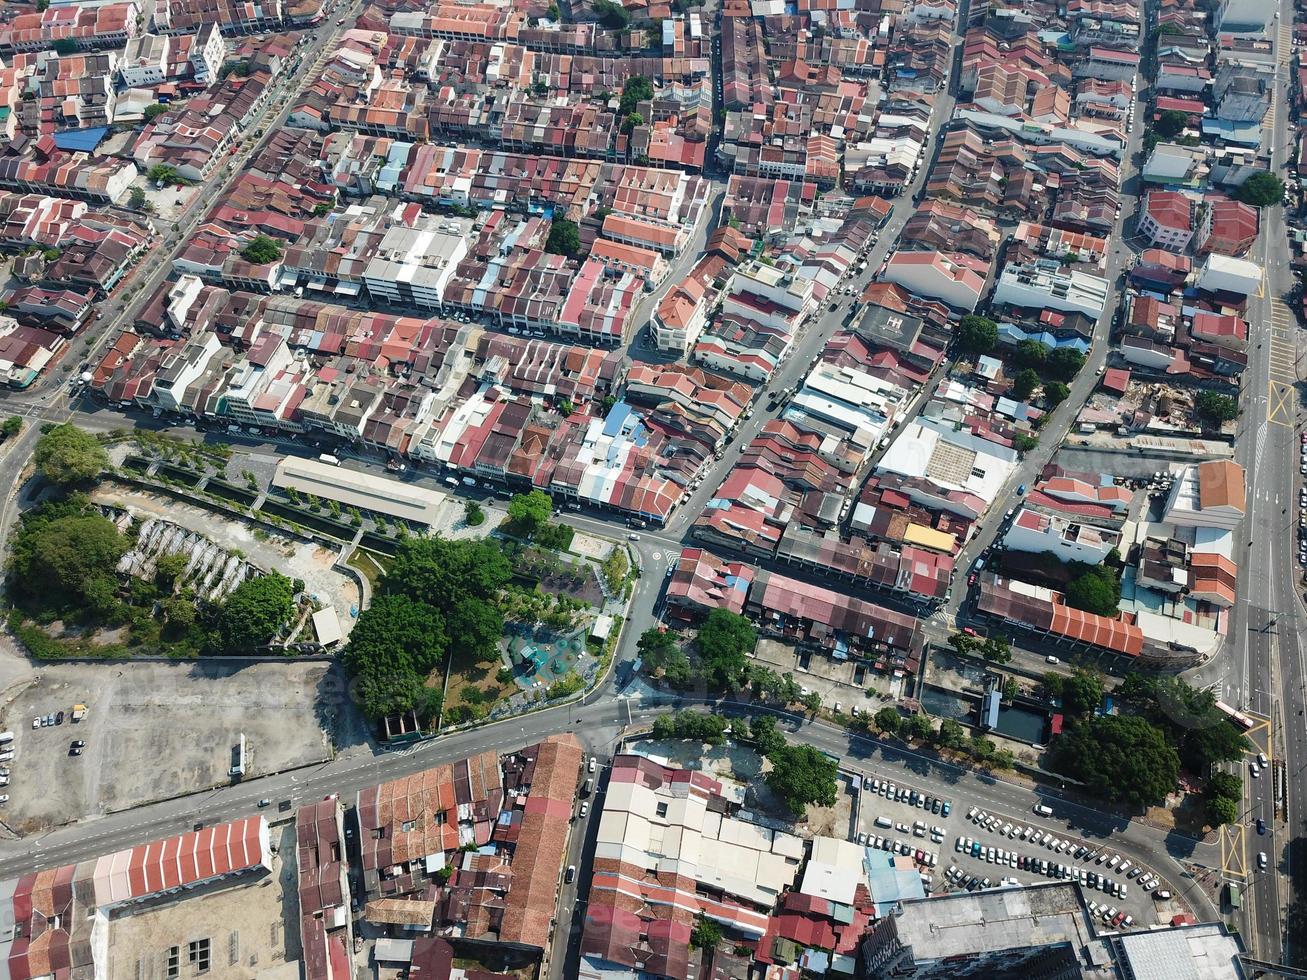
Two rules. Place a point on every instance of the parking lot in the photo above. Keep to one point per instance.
(958, 845)
(154, 731)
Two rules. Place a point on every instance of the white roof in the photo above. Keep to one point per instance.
(326, 624)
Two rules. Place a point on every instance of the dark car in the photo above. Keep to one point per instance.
(59, 718)
(74, 750)
(1261, 826)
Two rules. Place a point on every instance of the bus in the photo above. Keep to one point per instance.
(1235, 894)
(1238, 717)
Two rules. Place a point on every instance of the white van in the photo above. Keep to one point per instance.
(1043, 811)
(884, 822)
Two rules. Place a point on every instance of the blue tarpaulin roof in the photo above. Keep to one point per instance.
(81, 140)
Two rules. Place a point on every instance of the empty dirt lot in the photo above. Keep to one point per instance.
(156, 730)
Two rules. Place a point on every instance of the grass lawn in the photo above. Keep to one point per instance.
(473, 689)
(370, 565)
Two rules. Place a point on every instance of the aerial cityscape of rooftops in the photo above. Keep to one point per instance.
(653, 489)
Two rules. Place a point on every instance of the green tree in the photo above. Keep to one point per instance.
(154, 111)
(918, 728)
(261, 250)
(64, 46)
(67, 455)
(655, 647)
(706, 933)
(1222, 810)
(1121, 758)
(63, 554)
(1055, 392)
(801, 775)
(528, 512)
(254, 612)
(1171, 123)
(1095, 589)
(475, 627)
(612, 15)
(1261, 190)
(976, 334)
(1064, 363)
(724, 642)
(564, 238)
(473, 514)
(996, 649)
(1222, 783)
(888, 720)
(1026, 381)
(161, 173)
(168, 570)
(1031, 354)
(1082, 692)
(180, 613)
(951, 734)
(1214, 408)
(12, 426)
(767, 735)
(552, 11)
(632, 120)
(636, 89)
(441, 572)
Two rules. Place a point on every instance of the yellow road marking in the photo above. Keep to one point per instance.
(1234, 851)
(1279, 403)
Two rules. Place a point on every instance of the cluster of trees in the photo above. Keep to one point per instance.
(528, 518)
(1261, 190)
(951, 735)
(254, 613)
(637, 89)
(438, 599)
(261, 250)
(67, 456)
(707, 728)
(1081, 693)
(722, 647)
(564, 237)
(976, 334)
(1136, 758)
(612, 15)
(995, 648)
(1051, 368)
(1215, 408)
(63, 560)
(1095, 588)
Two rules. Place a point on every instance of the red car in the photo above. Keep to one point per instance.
(1118, 919)
(971, 579)
(969, 631)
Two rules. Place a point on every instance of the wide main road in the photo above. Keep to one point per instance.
(1261, 669)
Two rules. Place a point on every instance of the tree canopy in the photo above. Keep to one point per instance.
(888, 720)
(564, 238)
(1055, 392)
(66, 455)
(976, 334)
(64, 556)
(1095, 589)
(1171, 123)
(1026, 381)
(612, 15)
(637, 89)
(261, 250)
(1064, 363)
(724, 642)
(254, 612)
(438, 598)
(154, 111)
(1260, 190)
(527, 512)
(704, 727)
(1216, 408)
(1082, 692)
(1121, 758)
(801, 775)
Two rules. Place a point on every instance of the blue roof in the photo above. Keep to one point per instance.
(992, 701)
(81, 140)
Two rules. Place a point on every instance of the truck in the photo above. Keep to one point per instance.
(329, 459)
(79, 712)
